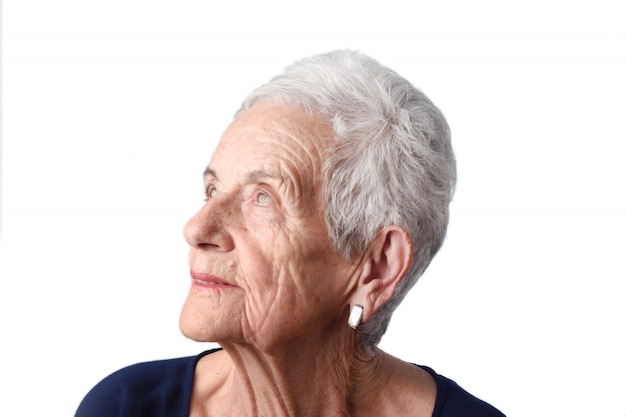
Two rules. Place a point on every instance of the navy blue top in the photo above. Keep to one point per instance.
(163, 389)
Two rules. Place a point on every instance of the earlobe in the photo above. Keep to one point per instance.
(390, 258)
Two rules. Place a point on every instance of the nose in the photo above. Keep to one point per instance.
(209, 228)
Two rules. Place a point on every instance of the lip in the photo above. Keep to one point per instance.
(208, 281)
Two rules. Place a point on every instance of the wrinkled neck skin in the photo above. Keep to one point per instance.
(332, 377)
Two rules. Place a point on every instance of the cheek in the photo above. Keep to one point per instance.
(285, 274)
(286, 264)
(273, 273)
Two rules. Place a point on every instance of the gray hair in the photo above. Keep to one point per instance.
(392, 164)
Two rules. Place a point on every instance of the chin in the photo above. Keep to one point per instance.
(196, 336)
(193, 326)
(203, 325)
(198, 333)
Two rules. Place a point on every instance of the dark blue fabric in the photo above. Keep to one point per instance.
(149, 389)
(454, 401)
(163, 389)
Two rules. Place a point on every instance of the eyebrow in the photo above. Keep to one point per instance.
(252, 176)
(208, 171)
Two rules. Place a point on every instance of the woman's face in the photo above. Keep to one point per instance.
(263, 271)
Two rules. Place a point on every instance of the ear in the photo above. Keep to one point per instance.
(388, 259)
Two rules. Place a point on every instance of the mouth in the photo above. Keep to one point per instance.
(208, 281)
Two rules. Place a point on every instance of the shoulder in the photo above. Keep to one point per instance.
(157, 388)
(454, 401)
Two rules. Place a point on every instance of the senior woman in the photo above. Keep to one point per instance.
(326, 199)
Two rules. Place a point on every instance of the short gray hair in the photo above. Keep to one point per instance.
(393, 162)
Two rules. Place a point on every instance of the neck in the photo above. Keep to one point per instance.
(302, 378)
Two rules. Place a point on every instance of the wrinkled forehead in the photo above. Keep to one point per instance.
(276, 133)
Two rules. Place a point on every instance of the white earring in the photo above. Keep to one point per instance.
(356, 315)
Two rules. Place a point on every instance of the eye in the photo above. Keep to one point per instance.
(210, 192)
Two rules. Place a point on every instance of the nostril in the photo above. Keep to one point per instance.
(206, 245)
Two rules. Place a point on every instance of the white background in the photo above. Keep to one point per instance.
(111, 110)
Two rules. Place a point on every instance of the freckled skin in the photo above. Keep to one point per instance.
(275, 250)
